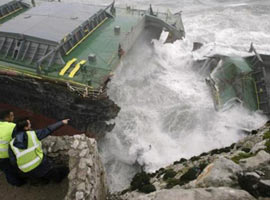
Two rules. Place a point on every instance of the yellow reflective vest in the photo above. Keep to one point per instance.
(30, 158)
(6, 129)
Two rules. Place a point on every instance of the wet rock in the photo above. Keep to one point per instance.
(247, 145)
(264, 188)
(222, 193)
(220, 173)
(253, 163)
(258, 146)
(251, 182)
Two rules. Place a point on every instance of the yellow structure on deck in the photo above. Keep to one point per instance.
(67, 66)
(76, 69)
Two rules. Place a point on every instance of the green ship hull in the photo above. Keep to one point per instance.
(56, 59)
(240, 80)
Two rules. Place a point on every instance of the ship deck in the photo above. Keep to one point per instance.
(102, 42)
(12, 15)
(76, 68)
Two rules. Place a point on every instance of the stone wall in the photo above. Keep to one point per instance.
(87, 179)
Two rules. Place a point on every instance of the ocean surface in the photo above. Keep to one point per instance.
(166, 107)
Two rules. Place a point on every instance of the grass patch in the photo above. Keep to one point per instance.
(141, 181)
(240, 156)
(266, 135)
(171, 182)
(170, 173)
(148, 188)
(190, 175)
(182, 160)
(267, 144)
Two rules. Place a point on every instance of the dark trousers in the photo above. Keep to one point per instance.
(48, 171)
(11, 173)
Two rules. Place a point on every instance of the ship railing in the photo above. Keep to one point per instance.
(88, 92)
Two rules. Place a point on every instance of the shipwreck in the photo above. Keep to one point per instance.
(57, 58)
(240, 80)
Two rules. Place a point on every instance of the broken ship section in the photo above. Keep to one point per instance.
(58, 57)
(244, 80)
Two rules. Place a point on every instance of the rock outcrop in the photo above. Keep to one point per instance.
(240, 171)
(222, 193)
(222, 172)
(87, 179)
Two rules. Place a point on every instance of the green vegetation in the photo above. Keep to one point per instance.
(267, 144)
(148, 188)
(190, 175)
(182, 160)
(222, 150)
(203, 165)
(160, 172)
(194, 158)
(141, 181)
(266, 135)
(171, 182)
(203, 154)
(246, 150)
(170, 173)
(241, 156)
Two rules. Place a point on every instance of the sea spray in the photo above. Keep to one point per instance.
(166, 113)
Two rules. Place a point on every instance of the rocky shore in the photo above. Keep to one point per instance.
(238, 172)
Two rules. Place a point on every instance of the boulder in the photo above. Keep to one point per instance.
(249, 181)
(253, 163)
(222, 172)
(258, 146)
(222, 193)
(252, 183)
(264, 188)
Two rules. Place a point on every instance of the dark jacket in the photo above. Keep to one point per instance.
(21, 141)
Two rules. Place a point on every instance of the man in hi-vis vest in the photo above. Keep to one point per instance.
(25, 152)
(6, 133)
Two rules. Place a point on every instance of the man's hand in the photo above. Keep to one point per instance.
(65, 121)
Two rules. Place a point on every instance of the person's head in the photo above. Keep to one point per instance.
(23, 125)
(7, 116)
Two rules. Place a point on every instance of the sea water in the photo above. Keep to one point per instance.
(167, 112)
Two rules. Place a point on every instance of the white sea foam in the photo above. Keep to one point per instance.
(166, 107)
(166, 113)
